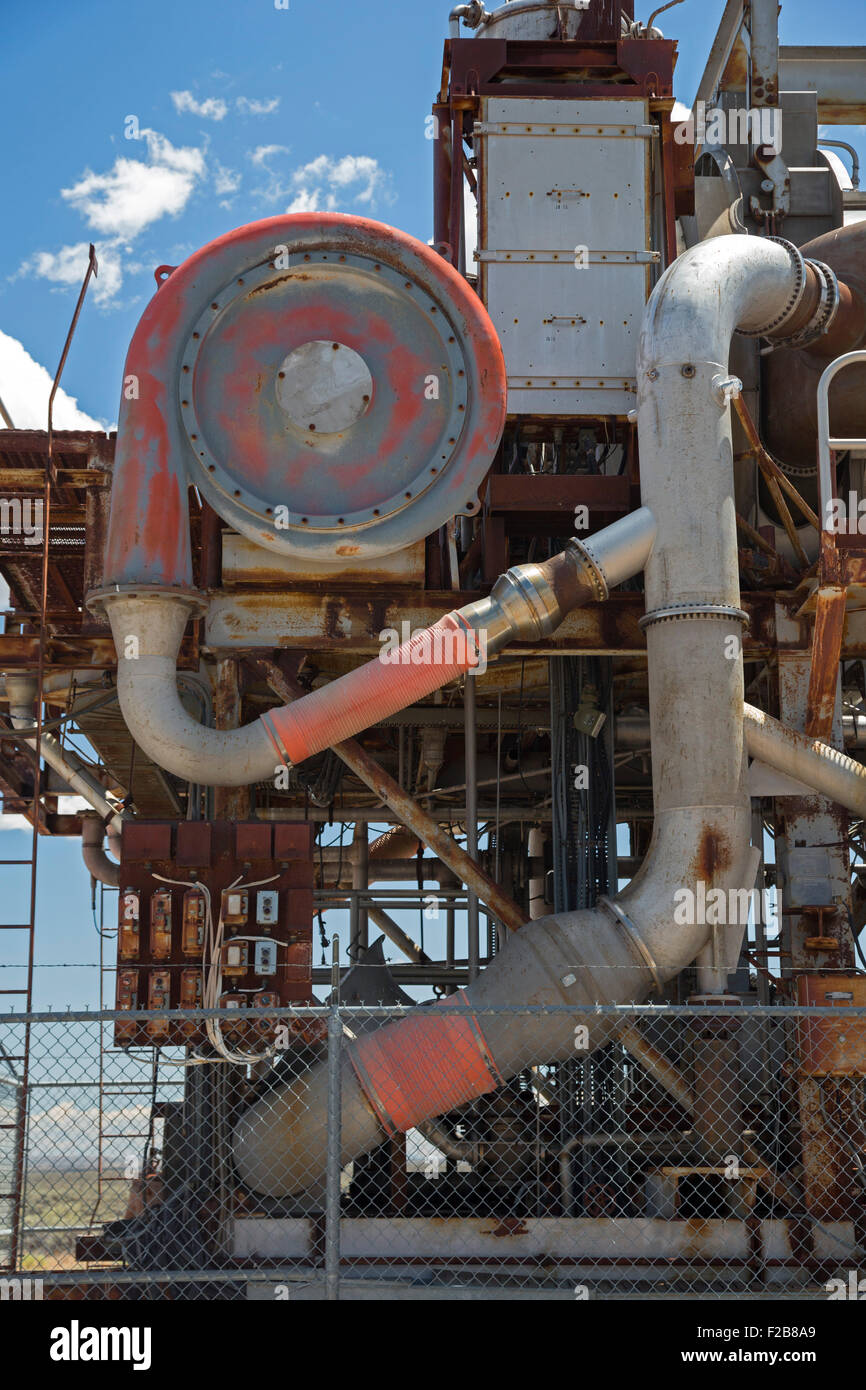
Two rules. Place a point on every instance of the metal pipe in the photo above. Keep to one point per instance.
(396, 935)
(473, 950)
(855, 158)
(764, 31)
(537, 883)
(432, 1060)
(472, 15)
(21, 690)
(96, 861)
(824, 769)
(527, 602)
(359, 936)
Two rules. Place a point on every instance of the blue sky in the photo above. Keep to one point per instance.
(243, 111)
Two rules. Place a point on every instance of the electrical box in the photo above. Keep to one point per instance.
(235, 907)
(235, 957)
(834, 1046)
(265, 958)
(233, 1001)
(267, 907)
(158, 992)
(160, 925)
(190, 996)
(266, 1000)
(129, 944)
(192, 933)
(565, 250)
(127, 1000)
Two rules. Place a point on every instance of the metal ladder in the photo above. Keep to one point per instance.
(839, 567)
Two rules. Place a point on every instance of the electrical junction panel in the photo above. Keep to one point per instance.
(564, 249)
(265, 956)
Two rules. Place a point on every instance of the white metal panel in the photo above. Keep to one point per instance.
(557, 176)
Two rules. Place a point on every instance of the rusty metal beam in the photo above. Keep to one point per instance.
(824, 668)
(406, 810)
(29, 478)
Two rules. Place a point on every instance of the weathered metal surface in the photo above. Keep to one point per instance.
(318, 621)
(207, 356)
(564, 207)
(835, 1046)
(230, 803)
(836, 73)
(541, 20)
(599, 1241)
(590, 69)
(824, 669)
(243, 562)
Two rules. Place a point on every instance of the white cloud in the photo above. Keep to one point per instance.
(26, 386)
(305, 201)
(67, 267)
(251, 107)
(212, 109)
(262, 153)
(327, 183)
(133, 194)
(226, 180)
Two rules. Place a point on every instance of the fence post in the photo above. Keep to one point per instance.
(334, 1149)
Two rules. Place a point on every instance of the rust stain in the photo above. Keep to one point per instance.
(348, 549)
(279, 280)
(508, 1226)
(333, 613)
(713, 855)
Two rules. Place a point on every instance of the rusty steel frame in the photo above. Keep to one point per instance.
(49, 481)
(407, 811)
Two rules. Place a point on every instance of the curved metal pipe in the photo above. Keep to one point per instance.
(96, 861)
(21, 691)
(431, 1062)
(824, 769)
(527, 602)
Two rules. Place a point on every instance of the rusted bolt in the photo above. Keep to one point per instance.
(688, 369)
(653, 374)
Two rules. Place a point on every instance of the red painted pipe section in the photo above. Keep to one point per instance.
(429, 660)
(431, 1065)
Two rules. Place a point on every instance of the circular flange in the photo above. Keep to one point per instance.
(342, 397)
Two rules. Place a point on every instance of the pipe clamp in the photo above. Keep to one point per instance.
(636, 940)
(675, 611)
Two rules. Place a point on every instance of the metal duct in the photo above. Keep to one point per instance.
(429, 1062)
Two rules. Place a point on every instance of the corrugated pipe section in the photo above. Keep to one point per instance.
(407, 1072)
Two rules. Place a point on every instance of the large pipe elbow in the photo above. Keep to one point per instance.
(96, 861)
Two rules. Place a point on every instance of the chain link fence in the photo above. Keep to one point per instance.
(659, 1151)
